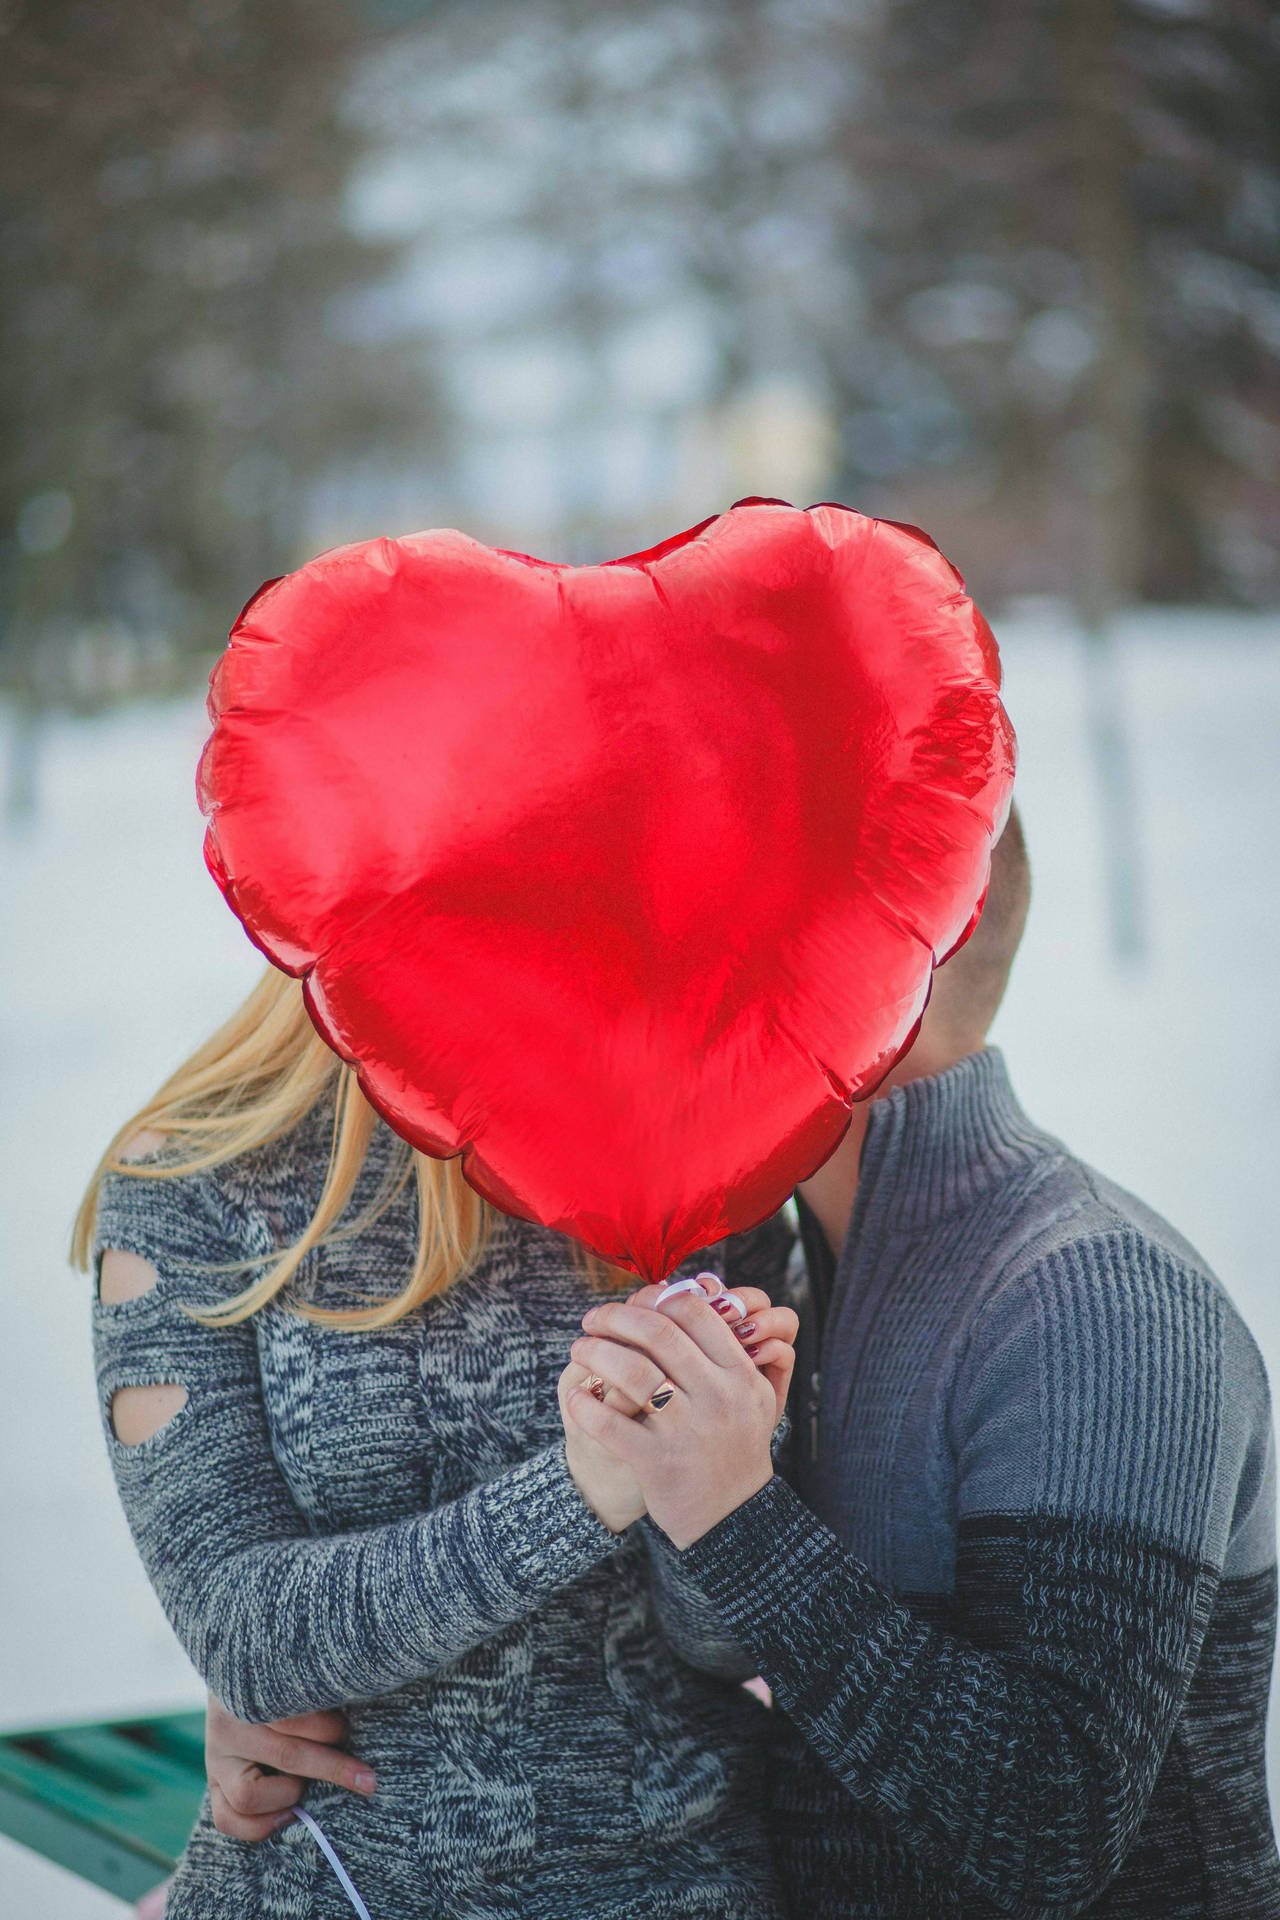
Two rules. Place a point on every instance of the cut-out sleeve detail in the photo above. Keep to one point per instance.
(139, 1413)
(124, 1276)
(277, 1620)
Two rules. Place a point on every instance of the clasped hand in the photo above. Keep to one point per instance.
(707, 1449)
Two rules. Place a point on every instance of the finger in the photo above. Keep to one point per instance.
(713, 1336)
(236, 1741)
(659, 1336)
(309, 1759)
(240, 1827)
(752, 1298)
(771, 1355)
(767, 1323)
(250, 1793)
(329, 1728)
(643, 1296)
(754, 1301)
(628, 1440)
(576, 1376)
(633, 1379)
(594, 1383)
(573, 1376)
(776, 1362)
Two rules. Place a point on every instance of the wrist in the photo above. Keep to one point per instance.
(617, 1515)
(684, 1527)
(615, 1508)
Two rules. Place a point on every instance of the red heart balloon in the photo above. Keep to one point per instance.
(622, 881)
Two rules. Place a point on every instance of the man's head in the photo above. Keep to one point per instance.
(969, 988)
(966, 993)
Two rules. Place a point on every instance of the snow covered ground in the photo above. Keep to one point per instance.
(118, 956)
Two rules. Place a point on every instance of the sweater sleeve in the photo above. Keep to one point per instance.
(1017, 1749)
(277, 1620)
(692, 1626)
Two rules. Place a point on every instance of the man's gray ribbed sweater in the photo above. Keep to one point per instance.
(1019, 1608)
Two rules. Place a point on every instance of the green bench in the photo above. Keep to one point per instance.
(114, 1803)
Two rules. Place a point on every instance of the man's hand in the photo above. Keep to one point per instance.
(707, 1450)
(257, 1775)
(766, 1333)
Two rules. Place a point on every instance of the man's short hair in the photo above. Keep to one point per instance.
(971, 985)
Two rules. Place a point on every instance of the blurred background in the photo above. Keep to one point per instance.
(281, 275)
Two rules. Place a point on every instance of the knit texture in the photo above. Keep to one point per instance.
(1021, 1624)
(384, 1521)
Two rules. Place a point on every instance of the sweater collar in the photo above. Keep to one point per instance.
(934, 1145)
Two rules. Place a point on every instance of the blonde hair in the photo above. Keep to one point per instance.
(252, 1083)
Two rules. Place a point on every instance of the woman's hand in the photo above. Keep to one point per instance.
(607, 1485)
(257, 1775)
(707, 1450)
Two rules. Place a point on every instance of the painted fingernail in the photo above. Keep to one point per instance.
(751, 1352)
(365, 1782)
(745, 1331)
(724, 1307)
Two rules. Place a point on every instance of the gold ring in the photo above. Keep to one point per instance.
(596, 1387)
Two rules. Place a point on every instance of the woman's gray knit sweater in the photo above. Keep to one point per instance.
(384, 1521)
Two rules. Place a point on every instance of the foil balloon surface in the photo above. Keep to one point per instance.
(623, 881)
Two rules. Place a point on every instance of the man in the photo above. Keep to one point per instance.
(1018, 1603)
(1017, 1600)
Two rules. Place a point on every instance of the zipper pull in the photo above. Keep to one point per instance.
(815, 1394)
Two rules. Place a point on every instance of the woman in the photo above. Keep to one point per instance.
(328, 1378)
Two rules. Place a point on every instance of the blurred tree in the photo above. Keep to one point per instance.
(303, 270)
(1072, 367)
(621, 221)
(172, 248)
(1069, 247)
